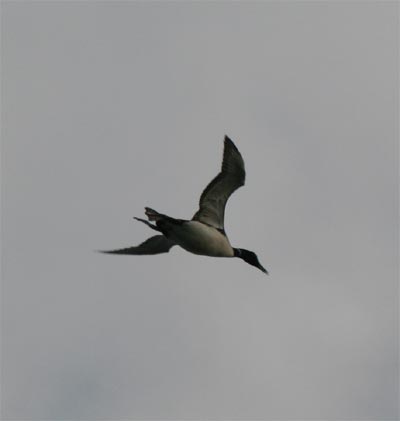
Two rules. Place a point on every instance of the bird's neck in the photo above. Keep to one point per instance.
(237, 252)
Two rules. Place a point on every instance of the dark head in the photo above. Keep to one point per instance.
(250, 258)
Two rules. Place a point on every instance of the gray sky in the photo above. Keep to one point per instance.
(110, 107)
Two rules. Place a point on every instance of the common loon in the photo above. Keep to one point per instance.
(204, 234)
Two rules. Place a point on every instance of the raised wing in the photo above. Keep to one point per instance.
(214, 197)
(153, 245)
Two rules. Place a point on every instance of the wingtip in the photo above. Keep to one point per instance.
(229, 141)
(116, 251)
(103, 251)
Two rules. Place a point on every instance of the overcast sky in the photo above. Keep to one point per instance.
(112, 106)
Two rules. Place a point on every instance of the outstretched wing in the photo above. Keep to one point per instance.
(153, 245)
(214, 197)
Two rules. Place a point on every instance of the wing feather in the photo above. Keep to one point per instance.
(216, 194)
(153, 245)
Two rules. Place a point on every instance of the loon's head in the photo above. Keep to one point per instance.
(250, 258)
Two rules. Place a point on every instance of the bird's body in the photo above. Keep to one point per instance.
(198, 238)
(205, 233)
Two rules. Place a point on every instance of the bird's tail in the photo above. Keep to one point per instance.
(154, 215)
(154, 227)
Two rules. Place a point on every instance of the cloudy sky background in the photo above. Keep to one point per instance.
(110, 107)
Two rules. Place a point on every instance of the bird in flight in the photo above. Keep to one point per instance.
(204, 234)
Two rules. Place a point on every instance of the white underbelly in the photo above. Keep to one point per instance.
(198, 238)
